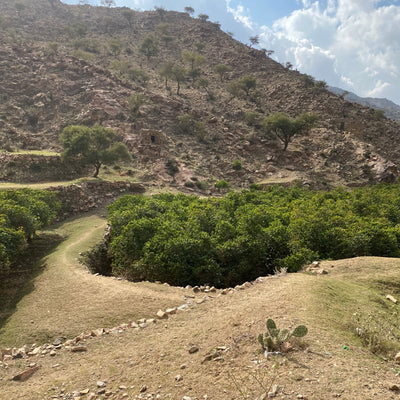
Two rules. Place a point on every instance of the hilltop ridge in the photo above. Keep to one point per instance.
(63, 65)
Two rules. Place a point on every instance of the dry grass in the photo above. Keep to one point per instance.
(156, 355)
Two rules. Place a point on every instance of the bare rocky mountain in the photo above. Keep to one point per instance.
(63, 65)
(391, 110)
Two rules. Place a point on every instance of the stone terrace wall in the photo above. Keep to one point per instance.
(31, 168)
(86, 196)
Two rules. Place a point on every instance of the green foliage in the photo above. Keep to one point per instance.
(253, 118)
(285, 128)
(188, 125)
(225, 241)
(244, 84)
(97, 260)
(172, 167)
(237, 165)
(379, 114)
(92, 146)
(222, 184)
(135, 101)
(149, 46)
(138, 75)
(221, 70)
(274, 339)
(87, 45)
(22, 213)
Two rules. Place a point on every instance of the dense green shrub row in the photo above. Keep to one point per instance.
(188, 240)
(22, 212)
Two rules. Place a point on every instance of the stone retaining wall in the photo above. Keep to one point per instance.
(32, 168)
(86, 196)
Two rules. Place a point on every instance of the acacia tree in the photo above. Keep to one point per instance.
(189, 10)
(221, 70)
(285, 128)
(149, 46)
(254, 40)
(92, 146)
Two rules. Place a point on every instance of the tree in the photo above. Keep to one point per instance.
(288, 65)
(247, 83)
(161, 11)
(195, 60)
(221, 70)
(108, 3)
(149, 46)
(128, 14)
(179, 74)
(254, 40)
(189, 10)
(285, 128)
(166, 72)
(92, 146)
(203, 17)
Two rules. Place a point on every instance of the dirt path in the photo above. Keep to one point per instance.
(66, 299)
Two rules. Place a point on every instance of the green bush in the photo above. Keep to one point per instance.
(237, 165)
(240, 236)
(222, 184)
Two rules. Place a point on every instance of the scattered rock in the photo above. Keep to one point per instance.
(397, 358)
(78, 349)
(179, 378)
(143, 389)
(23, 376)
(193, 349)
(161, 314)
(100, 384)
(394, 388)
(273, 392)
(391, 298)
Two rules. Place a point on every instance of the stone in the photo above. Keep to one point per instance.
(391, 298)
(23, 376)
(52, 353)
(179, 378)
(78, 349)
(171, 311)
(186, 398)
(394, 388)
(91, 396)
(134, 325)
(100, 384)
(397, 358)
(196, 289)
(161, 314)
(193, 349)
(273, 392)
(58, 341)
(322, 271)
(84, 391)
(143, 389)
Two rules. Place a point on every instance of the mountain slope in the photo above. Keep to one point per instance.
(63, 65)
(392, 110)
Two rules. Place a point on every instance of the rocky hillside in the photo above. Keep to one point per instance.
(62, 65)
(391, 110)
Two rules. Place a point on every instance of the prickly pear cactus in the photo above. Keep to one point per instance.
(300, 331)
(274, 338)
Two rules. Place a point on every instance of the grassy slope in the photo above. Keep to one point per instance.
(66, 299)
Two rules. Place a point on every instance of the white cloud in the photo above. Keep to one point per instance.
(240, 15)
(352, 43)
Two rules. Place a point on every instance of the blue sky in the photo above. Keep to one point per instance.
(352, 44)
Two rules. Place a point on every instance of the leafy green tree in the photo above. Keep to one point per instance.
(221, 70)
(285, 128)
(195, 60)
(115, 46)
(189, 10)
(179, 75)
(149, 46)
(92, 146)
(166, 72)
(248, 83)
(138, 75)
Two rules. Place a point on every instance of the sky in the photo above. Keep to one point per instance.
(351, 44)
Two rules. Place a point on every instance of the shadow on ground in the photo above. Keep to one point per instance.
(19, 281)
